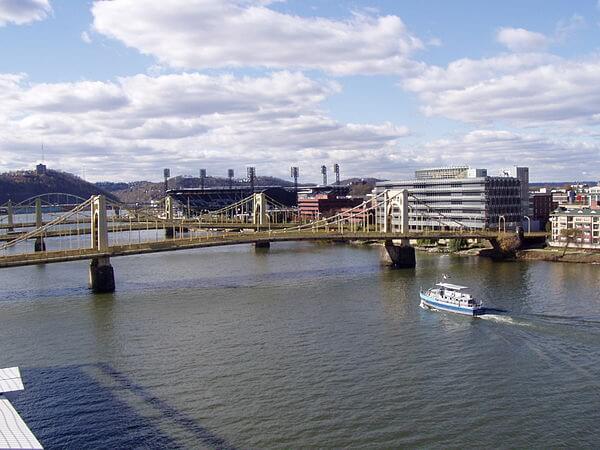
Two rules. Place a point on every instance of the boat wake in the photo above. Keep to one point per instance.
(502, 318)
(426, 307)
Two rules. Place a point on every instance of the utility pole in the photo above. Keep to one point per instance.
(324, 173)
(294, 173)
(251, 172)
(202, 178)
(167, 174)
(230, 176)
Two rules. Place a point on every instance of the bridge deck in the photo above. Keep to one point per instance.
(124, 225)
(184, 243)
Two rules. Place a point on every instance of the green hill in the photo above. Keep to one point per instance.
(21, 185)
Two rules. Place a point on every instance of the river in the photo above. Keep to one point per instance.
(303, 345)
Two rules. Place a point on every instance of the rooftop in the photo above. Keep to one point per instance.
(454, 287)
(576, 211)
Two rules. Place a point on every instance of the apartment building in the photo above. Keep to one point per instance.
(585, 220)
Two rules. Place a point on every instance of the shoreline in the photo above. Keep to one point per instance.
(555, 255)
(549, 254)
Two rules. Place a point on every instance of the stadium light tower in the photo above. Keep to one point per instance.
(324, 173)
(251, 172)
(230, 175)
(166, 174)
(202, 178)
(294, 173)
(336, 170)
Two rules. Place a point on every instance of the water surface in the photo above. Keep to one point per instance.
(303, 345)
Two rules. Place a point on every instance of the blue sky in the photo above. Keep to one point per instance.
(121, 89)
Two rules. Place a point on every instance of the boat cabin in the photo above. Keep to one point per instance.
(451, 293)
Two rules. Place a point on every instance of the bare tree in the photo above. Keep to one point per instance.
(570, 234)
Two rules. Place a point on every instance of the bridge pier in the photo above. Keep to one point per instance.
(169, 232)
(399, 256)
(259, 245)
(173, 230)
(102, 275)
(9, 216)
(39, 245)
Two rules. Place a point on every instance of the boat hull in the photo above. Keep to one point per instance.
(430, 302)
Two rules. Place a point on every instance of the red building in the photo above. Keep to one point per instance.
(324, 205)
(543, 206)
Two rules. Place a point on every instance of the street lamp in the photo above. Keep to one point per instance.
(528, 224)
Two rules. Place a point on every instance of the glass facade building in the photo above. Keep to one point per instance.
(453, 198)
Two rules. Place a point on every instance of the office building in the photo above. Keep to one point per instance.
(461, 197)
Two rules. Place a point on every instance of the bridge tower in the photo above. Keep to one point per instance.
(398, 252)
(395, 204)
(39, 245)
(260, 216)
(10, 215)
(169, 214)
(259, 210)
(101, 274)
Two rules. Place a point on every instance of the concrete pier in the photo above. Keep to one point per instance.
(39, 244)
(9, 215)
(399, 256)
(102, 275)
(169, 232)
(173, 230)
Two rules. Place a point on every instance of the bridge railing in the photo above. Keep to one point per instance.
(58, 227)
(242, 212)
(23, 214)
(360, 217)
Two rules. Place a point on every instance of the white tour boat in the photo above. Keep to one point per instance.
(448, 297)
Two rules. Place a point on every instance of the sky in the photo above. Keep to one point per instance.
(118, 90)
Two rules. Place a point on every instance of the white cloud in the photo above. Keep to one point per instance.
(522, 40)
(131, 128)
(85, 37)
(200, 34)
(519, 39)
(21, 12)
(565, 28)
(548, 158)
(522, 89)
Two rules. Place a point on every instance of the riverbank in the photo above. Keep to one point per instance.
(556, 255)
(535, 254)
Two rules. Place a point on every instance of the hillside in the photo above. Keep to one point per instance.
(21, 185)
